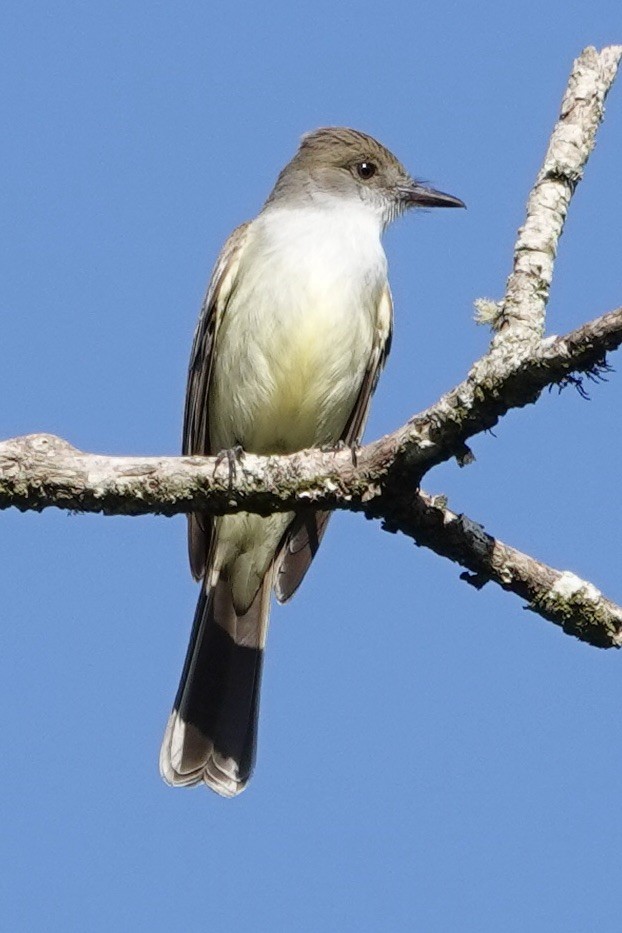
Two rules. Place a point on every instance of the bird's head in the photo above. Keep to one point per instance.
(340, 163)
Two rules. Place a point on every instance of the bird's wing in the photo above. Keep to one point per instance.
(305, 534)
(380, 351)
(196, 437)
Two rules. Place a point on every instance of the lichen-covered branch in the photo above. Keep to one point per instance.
(496, 383)
(382, 478)
(39, 471)
(559, 596)
(522, 310)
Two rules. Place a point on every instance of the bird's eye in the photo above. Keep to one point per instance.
(366, 170)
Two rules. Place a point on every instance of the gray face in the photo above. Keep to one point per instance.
(341, 162)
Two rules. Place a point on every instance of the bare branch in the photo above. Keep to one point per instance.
(39, 470)
(382, 478)
(561, 597)
(497, 382)
(523, 308)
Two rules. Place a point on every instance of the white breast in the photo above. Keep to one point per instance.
(298, 331)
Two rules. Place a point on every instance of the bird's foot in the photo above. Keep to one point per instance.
(233, 456)
(339, 447)
(354, 454)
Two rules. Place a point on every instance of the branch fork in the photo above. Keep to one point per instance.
(382, 480)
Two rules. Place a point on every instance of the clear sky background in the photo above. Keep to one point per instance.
(431, 758)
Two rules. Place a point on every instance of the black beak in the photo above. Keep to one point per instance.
(419, 196)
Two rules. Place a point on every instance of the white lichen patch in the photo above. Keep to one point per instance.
(549, 341)
(570, 586)
(487, 311)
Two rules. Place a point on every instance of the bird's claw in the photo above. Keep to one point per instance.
(233, 456)
(339, 447)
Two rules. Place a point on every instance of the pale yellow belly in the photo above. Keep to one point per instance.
(297, 392)
(283, 382)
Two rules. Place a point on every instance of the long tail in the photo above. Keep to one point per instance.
(211, 734)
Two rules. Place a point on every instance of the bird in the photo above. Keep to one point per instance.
(293, 333)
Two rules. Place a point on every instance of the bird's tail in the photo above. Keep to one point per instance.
(211, 734)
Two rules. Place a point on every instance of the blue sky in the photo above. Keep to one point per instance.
(431, 757)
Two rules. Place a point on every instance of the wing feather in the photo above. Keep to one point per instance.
(196, 434)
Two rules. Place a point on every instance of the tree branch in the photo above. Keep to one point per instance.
(497, 383)
(559, 596)
(39, 471)
(382, 478)
(522, 311)
(43, 470)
